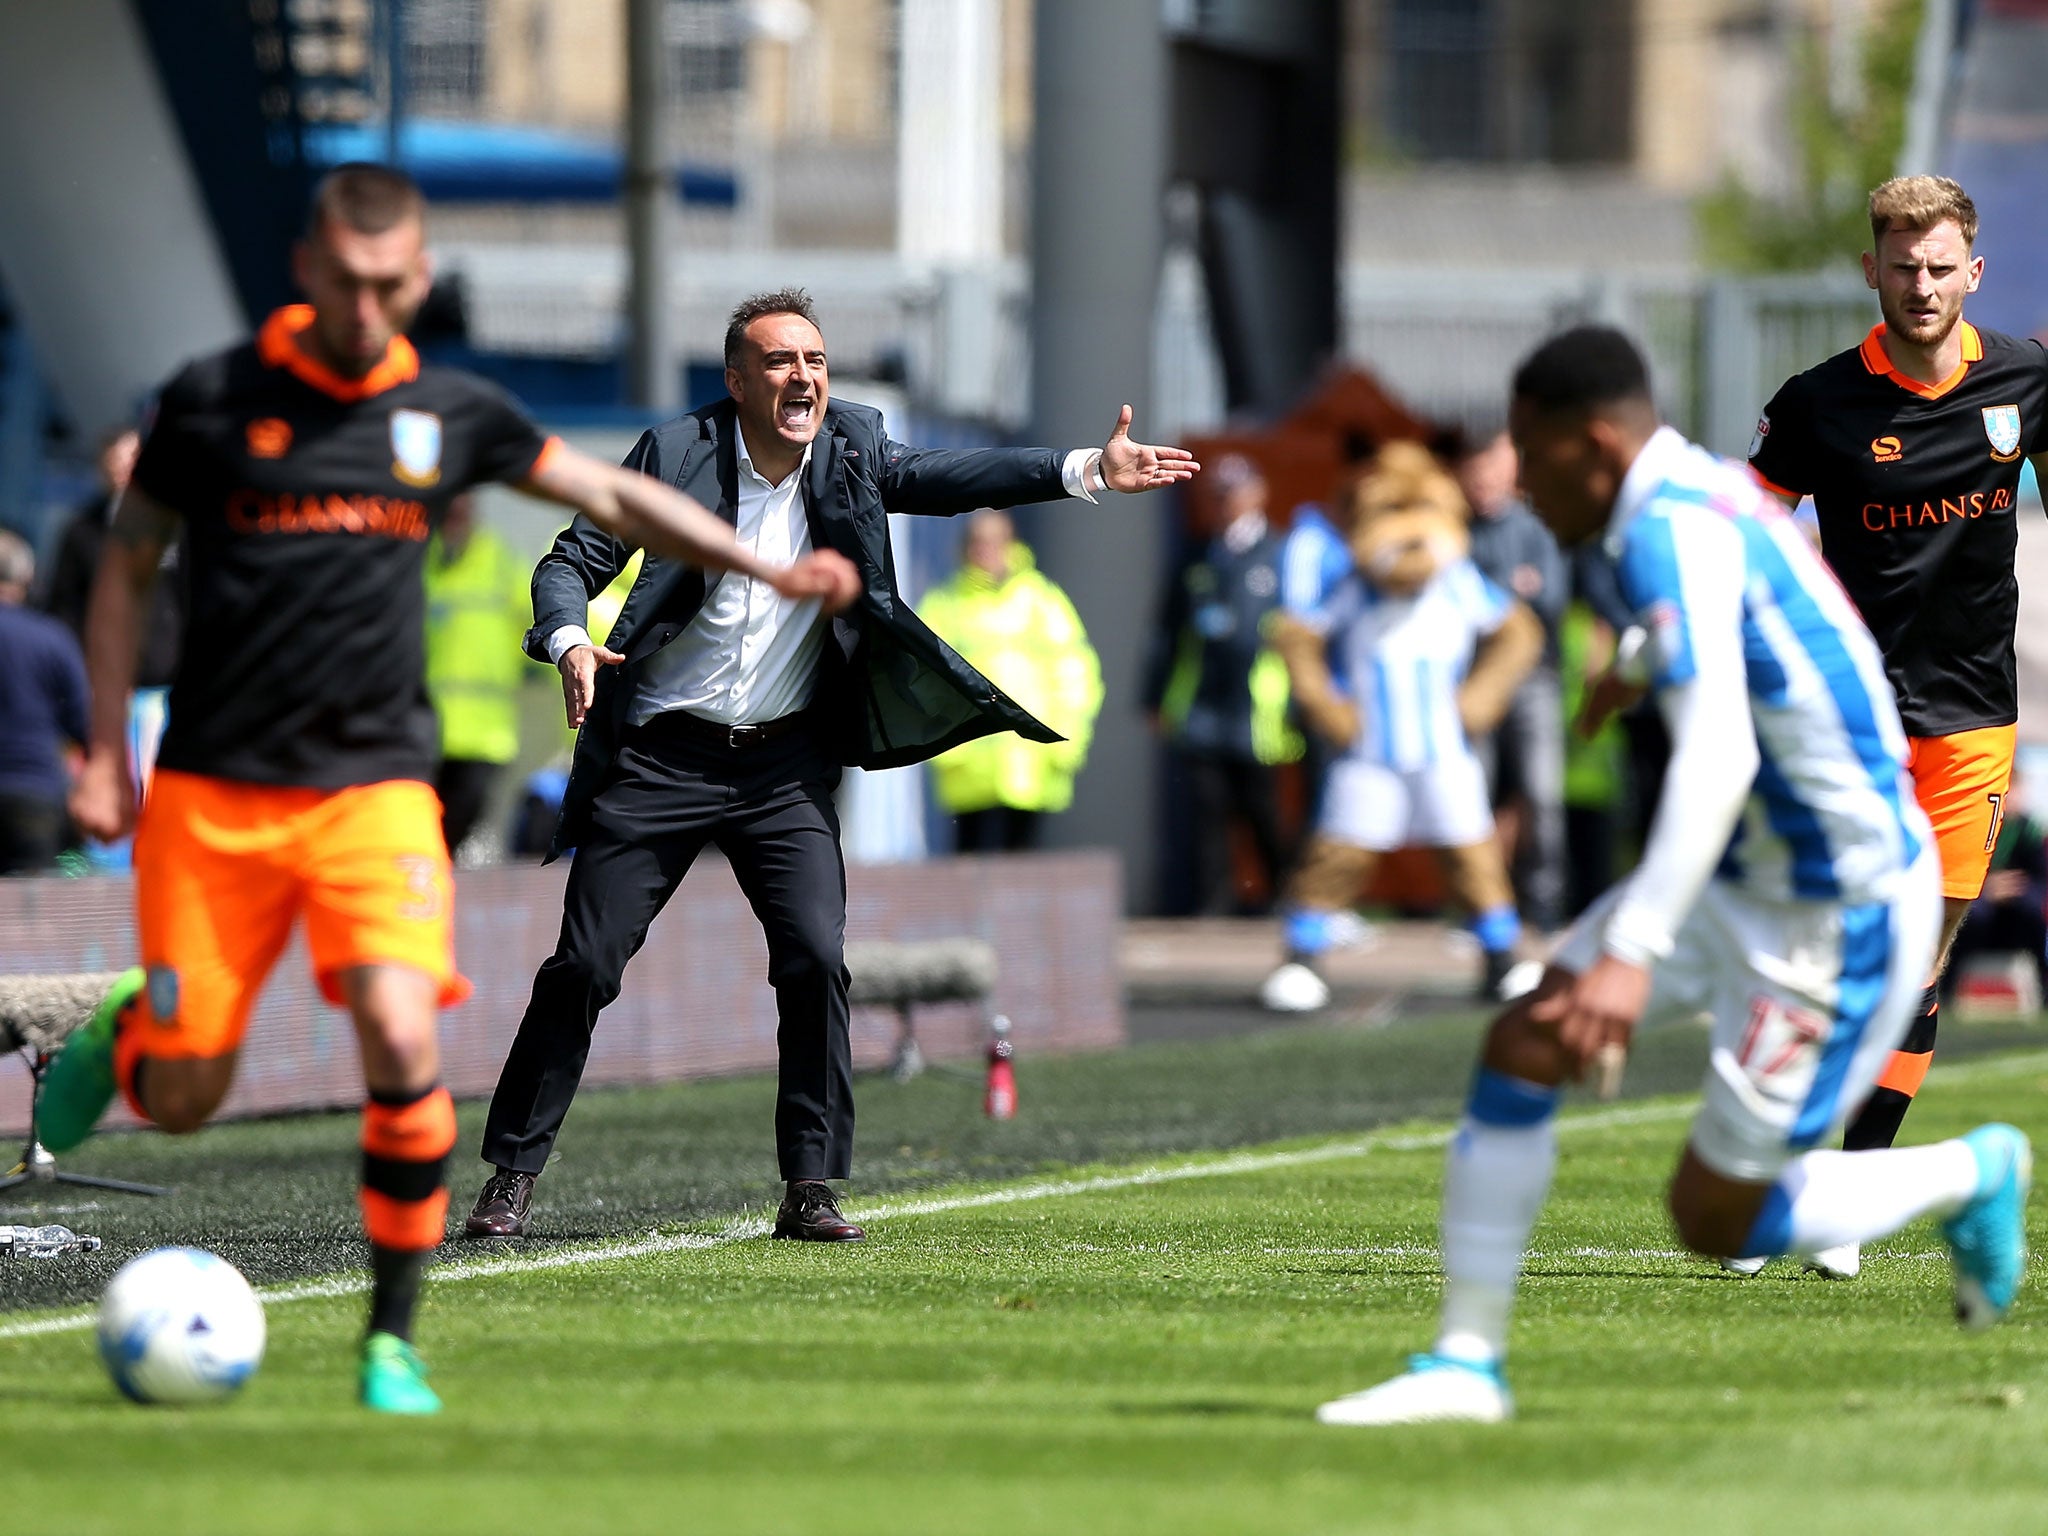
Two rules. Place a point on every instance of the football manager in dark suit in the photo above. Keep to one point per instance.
(725, 713)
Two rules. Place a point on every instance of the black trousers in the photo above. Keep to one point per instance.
(1227, 789)
(769, 808)
(32, 833)
(998, 829)
(464, 785)
(1998, 928)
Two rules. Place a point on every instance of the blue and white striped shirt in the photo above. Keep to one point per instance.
(1403, 658)
(1763, 662)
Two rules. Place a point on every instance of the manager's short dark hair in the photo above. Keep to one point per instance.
(1584, 369)
(782, 301)
(366, 198)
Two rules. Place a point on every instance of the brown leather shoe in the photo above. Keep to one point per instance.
(810, 1214)
(501, 1208)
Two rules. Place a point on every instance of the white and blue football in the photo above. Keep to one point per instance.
(180, 1325)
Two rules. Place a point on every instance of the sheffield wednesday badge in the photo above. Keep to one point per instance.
(2002, 426)
(416, 447)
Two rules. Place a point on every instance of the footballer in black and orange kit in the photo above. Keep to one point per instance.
(305, 472)
(1910, 445)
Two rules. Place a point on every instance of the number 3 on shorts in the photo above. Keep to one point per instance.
(1997, 820)
(424, 899)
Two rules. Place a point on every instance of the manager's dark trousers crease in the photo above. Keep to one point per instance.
(769, 809)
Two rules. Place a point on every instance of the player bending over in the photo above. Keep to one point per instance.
(308, 469)
(1789, 888)
(1910, 445)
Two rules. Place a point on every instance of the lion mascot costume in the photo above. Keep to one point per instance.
(1410, 657)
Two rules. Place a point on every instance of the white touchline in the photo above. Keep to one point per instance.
(582, 1255)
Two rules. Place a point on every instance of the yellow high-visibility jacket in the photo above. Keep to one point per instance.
(1023, 635)
(477, 612)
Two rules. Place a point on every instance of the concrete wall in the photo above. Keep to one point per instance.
(696, 1001)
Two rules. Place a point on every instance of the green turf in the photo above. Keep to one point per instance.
(1139, 1357)
(278, 1197)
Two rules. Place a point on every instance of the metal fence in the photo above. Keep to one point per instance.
(1718, 347)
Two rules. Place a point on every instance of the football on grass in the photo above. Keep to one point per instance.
(180, 1325)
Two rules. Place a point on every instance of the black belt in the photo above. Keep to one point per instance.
(680, 722)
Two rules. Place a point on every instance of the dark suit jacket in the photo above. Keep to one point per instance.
(890, 691)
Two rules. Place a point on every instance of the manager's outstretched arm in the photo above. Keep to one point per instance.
(946, 482)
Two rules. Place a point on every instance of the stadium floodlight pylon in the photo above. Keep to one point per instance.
(36, 1013)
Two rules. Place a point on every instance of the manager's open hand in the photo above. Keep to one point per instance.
(1129, 466)
(824, 574)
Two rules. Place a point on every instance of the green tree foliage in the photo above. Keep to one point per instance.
(1842, 155)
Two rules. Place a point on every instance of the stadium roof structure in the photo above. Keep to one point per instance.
(469, 162)
(1998, 150)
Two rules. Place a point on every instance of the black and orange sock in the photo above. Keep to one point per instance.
(406, 1142)
(1877, 1124)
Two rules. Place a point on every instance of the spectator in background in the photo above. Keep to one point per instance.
(67, 593)
(67, 586)
(2011, 917)
(1018, 630)
(42, 707)
(477, 612)
(1215, 689)
(1525, 757)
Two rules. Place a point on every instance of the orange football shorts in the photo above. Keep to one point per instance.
(1960, 782)
(224, 868)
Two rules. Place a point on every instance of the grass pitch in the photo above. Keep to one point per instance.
(1136, 1344)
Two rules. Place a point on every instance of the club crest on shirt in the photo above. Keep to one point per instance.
(2002, 426)
(416, 447)
(1763, 430)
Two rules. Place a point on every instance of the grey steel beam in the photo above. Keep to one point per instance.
(1098, 176)
(651, 372)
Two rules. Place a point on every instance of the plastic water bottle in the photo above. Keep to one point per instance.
(43, 1242)
(999, 1100)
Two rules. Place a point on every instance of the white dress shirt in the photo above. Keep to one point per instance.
(751, 655)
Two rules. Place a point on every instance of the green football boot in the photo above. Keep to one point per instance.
(80, 1081)
(394, 1379)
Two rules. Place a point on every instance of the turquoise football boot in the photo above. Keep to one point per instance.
(394, 1379)
(1987, 1238)
(79, 1084)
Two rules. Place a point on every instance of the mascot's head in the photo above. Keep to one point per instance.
(1407, 519)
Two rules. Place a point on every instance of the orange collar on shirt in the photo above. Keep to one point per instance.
(1879, 362)
(278, 345)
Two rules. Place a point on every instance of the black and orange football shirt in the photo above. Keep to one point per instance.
(307, 501)
(1915, 488)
